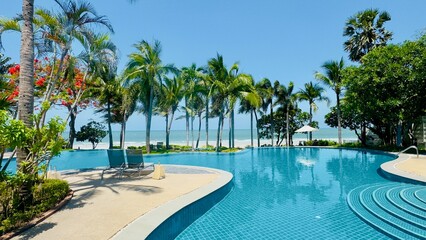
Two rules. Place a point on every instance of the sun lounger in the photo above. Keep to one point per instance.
(135, 160)
(117, 162)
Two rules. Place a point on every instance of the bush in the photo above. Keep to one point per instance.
(45, 195)
(321, 143)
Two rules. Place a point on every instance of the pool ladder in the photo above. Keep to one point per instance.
(417, 150)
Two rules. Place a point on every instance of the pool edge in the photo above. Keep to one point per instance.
(391, 172)
(170, 219)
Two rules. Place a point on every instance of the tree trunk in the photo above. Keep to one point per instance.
(221, 129)
(123, 132)
(230, 132)
(26, 76)
(167, 131)
(233, 128)
(251, 128)
(111, 143)
(287, 126)
(310, 120)
(218, 134)
(148, 120)
(192, 133)
(339, 121)
(187, 121)
(272, 125)
(71, 137)
(199, 130)
(257, 129)
(207, 123)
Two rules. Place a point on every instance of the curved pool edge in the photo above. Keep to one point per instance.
(170, 219)
(391, 171)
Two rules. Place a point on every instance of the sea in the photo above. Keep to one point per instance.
(178, 137)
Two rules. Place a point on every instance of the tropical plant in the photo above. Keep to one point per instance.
(93, 132)
(287, 99)
(191, 76)
(172, 93)
(333, 78)
(251, 103)
(366, 31)
(266, 91)
(312, 93)
(146, 69)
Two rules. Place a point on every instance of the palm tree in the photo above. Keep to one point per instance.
(251, 102)
(287, 99)
(172, 93)
(312, 93)
(190, 75)
(146, 69)
(266, 91)
(366, 31)
(333, 78)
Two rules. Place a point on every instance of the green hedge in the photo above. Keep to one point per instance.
(14, 212)
(320, 143)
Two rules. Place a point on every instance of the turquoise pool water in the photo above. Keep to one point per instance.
(295, 193)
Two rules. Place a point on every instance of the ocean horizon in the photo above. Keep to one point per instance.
(242, 137)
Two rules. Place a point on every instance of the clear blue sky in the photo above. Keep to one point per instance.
(280, 40)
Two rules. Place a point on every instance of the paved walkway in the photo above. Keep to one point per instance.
(99, 209)
(408, 166)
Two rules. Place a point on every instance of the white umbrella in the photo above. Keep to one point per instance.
(306, 128)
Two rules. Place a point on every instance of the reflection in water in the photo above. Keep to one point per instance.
(285, 193)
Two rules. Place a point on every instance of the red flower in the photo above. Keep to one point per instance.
(64, 103)
(36, 60)
(40, 82)
(14, 94)
(46, 58)
(69, 91)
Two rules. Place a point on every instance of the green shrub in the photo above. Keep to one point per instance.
(320, 143)
(45, 195)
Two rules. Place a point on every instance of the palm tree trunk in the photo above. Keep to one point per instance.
(233, 128)
(218, 133)
(207, 123)
(187, 121)
(310, 120)
(192, 132)
(73, 116)
(251, 127)
(167, 131)
(272, 125)
(26, 77)
(339, 121)
(221, 129)
(199, 130)
(257, 129)
(230, 132)
(111, 144)
(287, 123)
(123, 130)
(148, 120)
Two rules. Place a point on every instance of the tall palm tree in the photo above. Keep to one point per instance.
(190, 75)
(287, 98)
(333, 78)
(312, 93)
(227, 86)
(172, 93)
(366, 31)
(266, 91)
(146, 69)
(251, 102)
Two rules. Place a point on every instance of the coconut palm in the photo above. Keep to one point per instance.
(190, 75)
(312, 93)
(172, 93)
(333, 78)
(226, 87)
(287, 98)
(251, 102)
(266, 91)
(146, 69)
(366, 31)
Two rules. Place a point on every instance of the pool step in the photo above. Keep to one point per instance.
(395, 209)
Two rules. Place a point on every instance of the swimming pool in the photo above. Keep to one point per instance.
(279, 193)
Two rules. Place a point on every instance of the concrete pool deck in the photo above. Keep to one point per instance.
(407, 166)
(100, 209)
